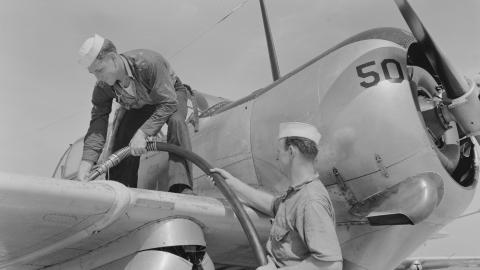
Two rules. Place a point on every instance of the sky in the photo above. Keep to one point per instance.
(45, 94)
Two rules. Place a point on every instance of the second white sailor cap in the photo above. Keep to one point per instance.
(90, 49)
(298, 129)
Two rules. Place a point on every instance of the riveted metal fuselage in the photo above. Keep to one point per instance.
(374, 137)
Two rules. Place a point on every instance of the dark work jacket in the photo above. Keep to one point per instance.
(153, 80)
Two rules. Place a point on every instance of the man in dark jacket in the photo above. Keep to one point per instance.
(146, 87)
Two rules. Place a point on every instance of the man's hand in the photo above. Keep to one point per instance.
(230, 179)
(269, 266)
(248, 195)
(84, 170)
(138, 143)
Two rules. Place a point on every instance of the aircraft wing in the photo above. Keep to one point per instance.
(48, 222)
(432, 263)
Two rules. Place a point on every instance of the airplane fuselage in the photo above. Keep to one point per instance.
(374, 137)
(375, 157)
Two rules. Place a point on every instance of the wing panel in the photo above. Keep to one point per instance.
(224, 235)
(62, 224)
(37, 212)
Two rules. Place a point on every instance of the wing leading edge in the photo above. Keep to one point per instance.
(432, 263)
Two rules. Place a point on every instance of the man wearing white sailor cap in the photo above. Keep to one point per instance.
(150, 95)
(303, 234)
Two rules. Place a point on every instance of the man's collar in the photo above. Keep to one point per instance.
(293, 189)
(299, 186)
(127, 66)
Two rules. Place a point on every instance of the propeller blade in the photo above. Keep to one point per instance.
(454, 84)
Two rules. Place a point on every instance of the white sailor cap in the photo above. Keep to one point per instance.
(297, 129)
(89, 50)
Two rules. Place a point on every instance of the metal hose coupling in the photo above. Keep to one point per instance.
(151, 146)
(113, 160)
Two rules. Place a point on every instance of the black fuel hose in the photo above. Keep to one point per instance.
(201, 163)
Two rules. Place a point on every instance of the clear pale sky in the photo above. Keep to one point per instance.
(45, 94)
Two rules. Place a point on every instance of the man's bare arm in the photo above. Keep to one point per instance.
(84, 170)
(260, 200)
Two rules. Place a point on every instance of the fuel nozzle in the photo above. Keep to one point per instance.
(111, 161)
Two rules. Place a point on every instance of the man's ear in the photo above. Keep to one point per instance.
(112, 56)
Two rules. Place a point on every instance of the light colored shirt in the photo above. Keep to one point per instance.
(304, 226)
(130, 89)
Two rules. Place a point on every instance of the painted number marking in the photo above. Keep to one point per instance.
(392, 71)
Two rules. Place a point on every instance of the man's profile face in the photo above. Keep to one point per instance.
(283, 155)
(104, 70)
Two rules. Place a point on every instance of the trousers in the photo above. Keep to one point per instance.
(179, 170)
